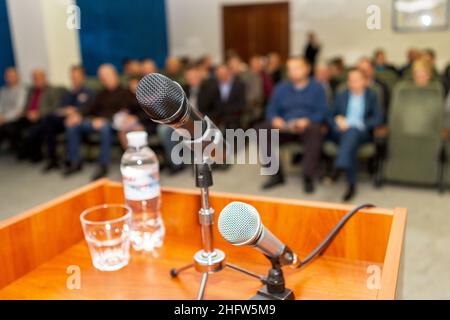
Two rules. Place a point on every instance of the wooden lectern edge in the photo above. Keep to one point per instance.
(256, 198)
(108, 182)
(389, 278)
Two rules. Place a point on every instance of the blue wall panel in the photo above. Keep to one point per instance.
(112, 30)
(6, 50)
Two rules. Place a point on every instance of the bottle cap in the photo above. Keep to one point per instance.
(137, 139)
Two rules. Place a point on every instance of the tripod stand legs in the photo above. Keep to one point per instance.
(246, 272)
(201, 291)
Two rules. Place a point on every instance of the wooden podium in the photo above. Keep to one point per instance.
(41, 248)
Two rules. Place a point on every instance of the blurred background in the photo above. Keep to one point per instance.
(70, 71)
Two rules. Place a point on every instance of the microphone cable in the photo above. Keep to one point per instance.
(329, 238)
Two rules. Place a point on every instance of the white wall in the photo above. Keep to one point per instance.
(195, 28)
(42, 40)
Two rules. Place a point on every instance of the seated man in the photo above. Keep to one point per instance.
(12, 101)
(378, 86)
(73, 100)
(173, 69)
(230, 98)
(297, 108)
(380, 62)
(355, 115)
(97, 117)
(27, 132)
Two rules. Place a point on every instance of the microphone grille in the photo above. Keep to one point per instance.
(239, 223)
(159, 96)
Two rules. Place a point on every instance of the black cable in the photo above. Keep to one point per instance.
(326, 242)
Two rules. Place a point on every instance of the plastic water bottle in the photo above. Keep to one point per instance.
(140, 176)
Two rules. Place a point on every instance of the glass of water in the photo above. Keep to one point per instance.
(107, 232)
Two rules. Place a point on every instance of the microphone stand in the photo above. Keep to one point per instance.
(274, 285)
(208, 260)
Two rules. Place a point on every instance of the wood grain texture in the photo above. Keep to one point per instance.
(41, 243)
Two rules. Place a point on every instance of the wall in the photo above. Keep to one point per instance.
(6, 52)
(195, 28)
(114, 30)
(41, 38)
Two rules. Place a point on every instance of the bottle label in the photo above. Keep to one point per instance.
(141, 184)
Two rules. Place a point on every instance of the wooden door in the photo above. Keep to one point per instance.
(256, 29)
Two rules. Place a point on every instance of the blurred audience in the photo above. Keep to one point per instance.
(131, 68)
(312, 49)
(380, 62)
(233, 94)
(422, 72)
(252, 78)
(173, 69)
(12, 101)
(274, 67)
(97, 118)
(196, 89)
(297, 108)
(355, 114)
(206, 65)
(412, 55)
(73, 101)
(230, 97)
(337, 73)
(148, 66)
(26, 133)
(132, 117)
(378, 86)
(323, 76)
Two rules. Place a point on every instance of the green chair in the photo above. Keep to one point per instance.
(415, 134)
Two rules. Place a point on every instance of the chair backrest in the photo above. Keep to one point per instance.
(417, 111)
(415, 125)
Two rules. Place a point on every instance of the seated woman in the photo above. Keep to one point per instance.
(355, 115)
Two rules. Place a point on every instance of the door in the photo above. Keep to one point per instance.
(256, 29)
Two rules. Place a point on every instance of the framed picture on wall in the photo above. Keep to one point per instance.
(420, 15)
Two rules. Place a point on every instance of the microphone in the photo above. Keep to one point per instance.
(165, 102)
(240, 224)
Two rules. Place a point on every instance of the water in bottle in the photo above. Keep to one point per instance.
(140, 175)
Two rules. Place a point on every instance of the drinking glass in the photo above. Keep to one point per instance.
(107, 230)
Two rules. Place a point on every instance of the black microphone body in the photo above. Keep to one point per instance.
(165, 102)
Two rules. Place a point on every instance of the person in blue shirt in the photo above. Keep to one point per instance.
(297, 109)
(355, 114)
(72, 101)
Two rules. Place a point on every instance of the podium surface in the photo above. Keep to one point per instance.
(42, 248)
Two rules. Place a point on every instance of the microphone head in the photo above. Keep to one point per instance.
(160, 97)
(239, 223)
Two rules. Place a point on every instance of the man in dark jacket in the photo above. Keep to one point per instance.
(26, 133)
(229, 98)
(73, 100)
(97, 117)
(356, 113)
